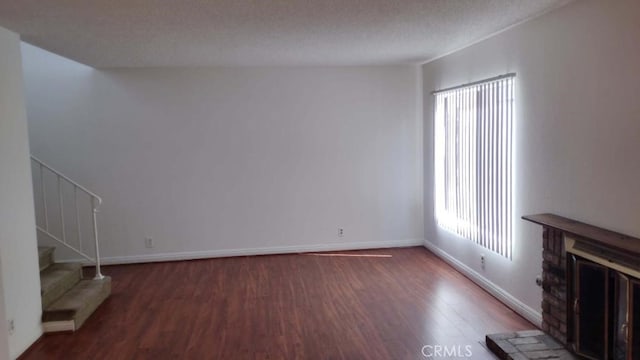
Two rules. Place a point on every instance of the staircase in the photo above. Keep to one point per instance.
(68, 299)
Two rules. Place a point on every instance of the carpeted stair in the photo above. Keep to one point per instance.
(67, 298)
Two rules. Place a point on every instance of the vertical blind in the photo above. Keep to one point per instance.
(473, 162)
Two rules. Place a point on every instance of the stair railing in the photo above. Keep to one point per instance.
(96, 201)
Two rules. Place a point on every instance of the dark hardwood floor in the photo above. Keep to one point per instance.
(287, 307)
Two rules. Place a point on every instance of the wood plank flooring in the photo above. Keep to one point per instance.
(287, 307)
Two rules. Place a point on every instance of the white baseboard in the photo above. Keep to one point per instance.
(516, 305)
(193, 255)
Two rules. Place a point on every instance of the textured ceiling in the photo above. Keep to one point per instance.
(133, 33)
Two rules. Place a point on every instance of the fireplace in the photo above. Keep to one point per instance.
(591, 288)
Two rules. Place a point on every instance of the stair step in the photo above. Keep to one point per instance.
(45, 256)
(57, 279)
(77, 304)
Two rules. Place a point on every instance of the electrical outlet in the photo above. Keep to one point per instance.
(340, 232)
(482, 262)
(148, 242)
(12, 327)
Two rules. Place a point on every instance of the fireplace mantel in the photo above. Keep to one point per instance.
(588, 233)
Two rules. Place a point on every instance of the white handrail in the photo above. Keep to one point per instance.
(96, 201)
(40, 162)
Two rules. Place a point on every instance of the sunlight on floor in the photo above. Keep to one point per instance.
(350, 255)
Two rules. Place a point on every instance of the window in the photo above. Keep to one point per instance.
(473, 161)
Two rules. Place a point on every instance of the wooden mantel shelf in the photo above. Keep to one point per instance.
(587, 232)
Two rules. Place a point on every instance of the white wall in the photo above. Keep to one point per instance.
(18, 252)
(577, 135)
(224, 161)
(4, 331)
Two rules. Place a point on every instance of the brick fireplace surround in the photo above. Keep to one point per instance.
(553, 343)
(554, 284)
(535, 344)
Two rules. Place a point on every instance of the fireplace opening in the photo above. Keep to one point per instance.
(604, 302)
(590, 308)
(635, 329)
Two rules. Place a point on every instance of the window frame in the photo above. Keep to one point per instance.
(473, 161)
